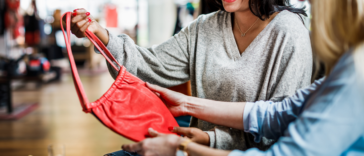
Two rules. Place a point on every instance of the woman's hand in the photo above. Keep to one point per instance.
(162, 144)
(176, 102)
(195, 134)
(81, 21)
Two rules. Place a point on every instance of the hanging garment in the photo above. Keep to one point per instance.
(13, 21)
(32, 31)
(111, 16)
(128, 108)
(13, 4)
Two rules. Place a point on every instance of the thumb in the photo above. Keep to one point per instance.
(154, 133)
(182, 131)
(155, 88)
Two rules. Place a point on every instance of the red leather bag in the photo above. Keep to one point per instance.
(128, 108)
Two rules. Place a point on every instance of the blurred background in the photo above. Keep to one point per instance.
(39, 108)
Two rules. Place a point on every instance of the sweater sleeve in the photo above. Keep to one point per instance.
(294, 67)
(165, 64)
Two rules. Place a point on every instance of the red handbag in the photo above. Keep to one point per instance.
(128, 108)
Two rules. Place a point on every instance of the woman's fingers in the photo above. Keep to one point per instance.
(85, 26)
(182, 131)
(156, 88)
(162, 91)
(78, 15)
(136, 147)
(174, 101)
(80, 22)
(154, 133)
(194, 134)
(76, 27)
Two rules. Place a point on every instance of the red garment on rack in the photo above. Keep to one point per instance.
(32, 29)
(13, 4)
(128, 108)
(32, 38)
(111, 16)
(13, 21)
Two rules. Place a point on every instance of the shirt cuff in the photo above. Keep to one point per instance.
(236, 153)
(248, 107)
(212, 138)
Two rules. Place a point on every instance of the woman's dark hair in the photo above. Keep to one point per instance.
(264, 8)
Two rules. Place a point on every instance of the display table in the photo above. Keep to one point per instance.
(14, 111)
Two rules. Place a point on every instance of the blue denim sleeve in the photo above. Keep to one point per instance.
(331, 122)
(271, 119)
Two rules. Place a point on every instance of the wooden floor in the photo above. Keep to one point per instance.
(59, 119)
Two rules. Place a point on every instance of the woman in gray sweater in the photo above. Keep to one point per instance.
(248, 51)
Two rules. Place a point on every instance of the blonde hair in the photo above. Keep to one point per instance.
(337, 25)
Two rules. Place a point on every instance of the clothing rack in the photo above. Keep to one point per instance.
(12, 111)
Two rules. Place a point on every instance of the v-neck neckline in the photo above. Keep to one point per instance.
(231, 38)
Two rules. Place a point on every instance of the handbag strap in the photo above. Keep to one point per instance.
(98, 44)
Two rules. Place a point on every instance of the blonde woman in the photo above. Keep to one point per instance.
(325, 119)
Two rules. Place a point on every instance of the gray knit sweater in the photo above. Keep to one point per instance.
(276, 63)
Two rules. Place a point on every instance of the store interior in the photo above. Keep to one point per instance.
(39, 106)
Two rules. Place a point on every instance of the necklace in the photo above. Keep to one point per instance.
(243, 34)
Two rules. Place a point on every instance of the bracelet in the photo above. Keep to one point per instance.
(183, 145)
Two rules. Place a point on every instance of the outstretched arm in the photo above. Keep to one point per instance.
(166, 64)
(261, 118)
(212, 111)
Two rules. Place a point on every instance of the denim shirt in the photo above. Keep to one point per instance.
(326, 118)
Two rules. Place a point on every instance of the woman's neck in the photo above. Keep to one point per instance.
(245, 19)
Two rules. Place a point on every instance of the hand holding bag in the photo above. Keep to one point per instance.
(128, 108)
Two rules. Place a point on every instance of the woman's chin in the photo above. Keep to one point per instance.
(236, 5)
(231, 9)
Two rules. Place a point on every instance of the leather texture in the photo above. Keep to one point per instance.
(128, 108)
